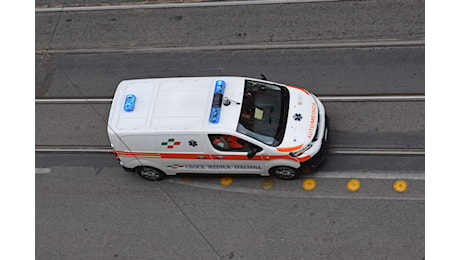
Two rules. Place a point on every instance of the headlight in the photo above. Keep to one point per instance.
(301, 151)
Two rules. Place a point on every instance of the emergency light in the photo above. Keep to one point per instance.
(217, 101)
(129, 102)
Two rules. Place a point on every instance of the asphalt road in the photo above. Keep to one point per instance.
(87, 207)
(84, 214)
(294, 22)
(349, 71)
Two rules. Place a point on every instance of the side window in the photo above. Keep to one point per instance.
(230, 143)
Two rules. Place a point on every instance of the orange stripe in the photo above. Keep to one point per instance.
(306, 158)
(207, 156)
(289, 149)
(285, 157)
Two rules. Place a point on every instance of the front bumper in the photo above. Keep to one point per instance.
(320, 156)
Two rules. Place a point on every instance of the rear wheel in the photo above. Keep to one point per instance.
(285, 172)
(150, 173)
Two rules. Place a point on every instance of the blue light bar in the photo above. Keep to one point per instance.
(220, 87)
(129, 102)
(217, 101)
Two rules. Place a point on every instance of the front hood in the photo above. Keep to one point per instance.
(301, 120)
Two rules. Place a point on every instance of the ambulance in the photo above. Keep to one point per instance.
(216, 125)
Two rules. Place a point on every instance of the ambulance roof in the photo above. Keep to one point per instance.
(174, 104)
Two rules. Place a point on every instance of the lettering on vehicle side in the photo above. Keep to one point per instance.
(248, 167)
(195, 167)
(312, 120)
(219, 167)
(225, 167)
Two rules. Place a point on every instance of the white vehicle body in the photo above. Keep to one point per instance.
(167, 124)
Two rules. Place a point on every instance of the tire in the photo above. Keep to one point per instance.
(150, 173)
(285, 172)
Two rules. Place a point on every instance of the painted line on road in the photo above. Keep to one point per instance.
(383, 175)
(365, 151)
(74, 150)
(242, 47)
(172, 5)
(42, 170)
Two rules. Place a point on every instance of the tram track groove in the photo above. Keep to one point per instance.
(328, 98)
(372, 43)
(331, 150)
(86, 8)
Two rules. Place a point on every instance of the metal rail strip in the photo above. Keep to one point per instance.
(243, 47)
(336, 151)
(170, 5)
(73, 100)
(322, 98)
(372, 98)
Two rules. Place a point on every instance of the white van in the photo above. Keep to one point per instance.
(223, 125)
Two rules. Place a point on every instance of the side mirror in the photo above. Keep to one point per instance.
(253, 152)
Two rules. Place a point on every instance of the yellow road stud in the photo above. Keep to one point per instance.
(400, 185)
(353, 185)
(226, 181)
(267, 183)
(309, 184)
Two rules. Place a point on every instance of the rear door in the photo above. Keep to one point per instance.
(185, 153)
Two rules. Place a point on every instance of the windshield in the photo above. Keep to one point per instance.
(264, 112)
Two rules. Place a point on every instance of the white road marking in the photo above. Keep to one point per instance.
(363, 151)
(370, 175)
(75, 150)
(42, 170)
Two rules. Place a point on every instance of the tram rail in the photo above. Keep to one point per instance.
(329, 98)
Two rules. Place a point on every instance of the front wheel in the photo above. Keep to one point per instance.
(285, 172)
(150, 173)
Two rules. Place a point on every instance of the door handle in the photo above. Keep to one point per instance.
(219, 157)
(201, 157)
